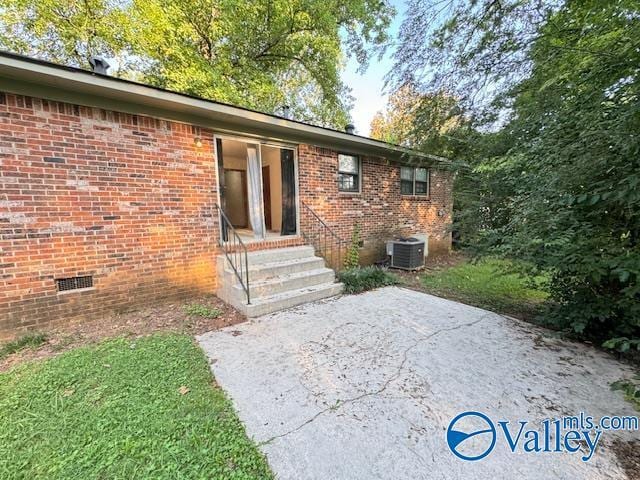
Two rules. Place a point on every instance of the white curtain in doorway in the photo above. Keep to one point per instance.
(254, 181)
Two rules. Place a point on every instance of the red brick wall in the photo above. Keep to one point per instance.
(129, 200)
(380, 209)
(83, 191)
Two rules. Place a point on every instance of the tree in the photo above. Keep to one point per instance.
(577, 208)
(260, 54)
(65, 31)
(557, 172)
(473, 49)
(395, 123)
(409, 110)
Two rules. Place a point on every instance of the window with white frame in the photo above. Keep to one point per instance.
(414, 181)
(348, 173)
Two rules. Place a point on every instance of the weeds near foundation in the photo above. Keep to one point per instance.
(352, 257)
(199, 310)
(31, 340)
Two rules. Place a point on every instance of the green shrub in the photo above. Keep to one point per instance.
(622, 344)
(630, 389)
(360, 279)
(352, 258)
(199, 310)
(31, 340)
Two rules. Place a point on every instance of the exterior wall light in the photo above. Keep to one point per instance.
(197, 141)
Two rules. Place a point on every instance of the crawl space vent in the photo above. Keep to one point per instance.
(74, 283)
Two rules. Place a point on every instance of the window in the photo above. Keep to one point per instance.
(422, 181)
(406, 180)
(414, 181)
(348, 173)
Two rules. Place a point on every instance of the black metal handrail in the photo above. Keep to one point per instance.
(324, 240)
(235, 250)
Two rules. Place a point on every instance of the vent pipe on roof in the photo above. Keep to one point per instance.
(286, 112)
(99, 64)
(349, 128)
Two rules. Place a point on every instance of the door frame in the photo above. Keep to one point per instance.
(259, 142)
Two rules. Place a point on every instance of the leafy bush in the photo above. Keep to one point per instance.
(630, 389)
(199, 310)
(352, 258)
(31, 340)
(622, 344)
(360, 279)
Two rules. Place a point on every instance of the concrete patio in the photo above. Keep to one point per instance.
(365, 386)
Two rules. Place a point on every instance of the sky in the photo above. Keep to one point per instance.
(367, 88)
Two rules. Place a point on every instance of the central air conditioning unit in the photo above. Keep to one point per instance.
(406, 253)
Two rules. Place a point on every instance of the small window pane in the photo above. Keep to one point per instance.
(347, 163)
(406, 173)
(421, 188)
(348, 183)
(406, 187)
(421, 174)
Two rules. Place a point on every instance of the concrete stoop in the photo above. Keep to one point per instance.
(278, 279)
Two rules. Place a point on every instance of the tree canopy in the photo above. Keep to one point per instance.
(472, 49)
(438, 112)
(553, 89)
(261, 54)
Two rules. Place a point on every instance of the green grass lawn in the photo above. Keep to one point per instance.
(485, 284)
(143, 408)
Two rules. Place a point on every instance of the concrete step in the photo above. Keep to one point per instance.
(285, 282)
(262, 271)
(280, 254)
(278, 278)
(280, 301)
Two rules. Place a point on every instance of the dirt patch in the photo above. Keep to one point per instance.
(628, 455)
(169, 316)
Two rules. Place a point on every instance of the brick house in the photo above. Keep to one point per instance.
(111, 191)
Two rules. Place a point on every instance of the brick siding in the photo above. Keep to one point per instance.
(83, 191)
(130, 199)
(379, 209)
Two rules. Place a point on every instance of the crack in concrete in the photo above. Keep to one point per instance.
(385, 385)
